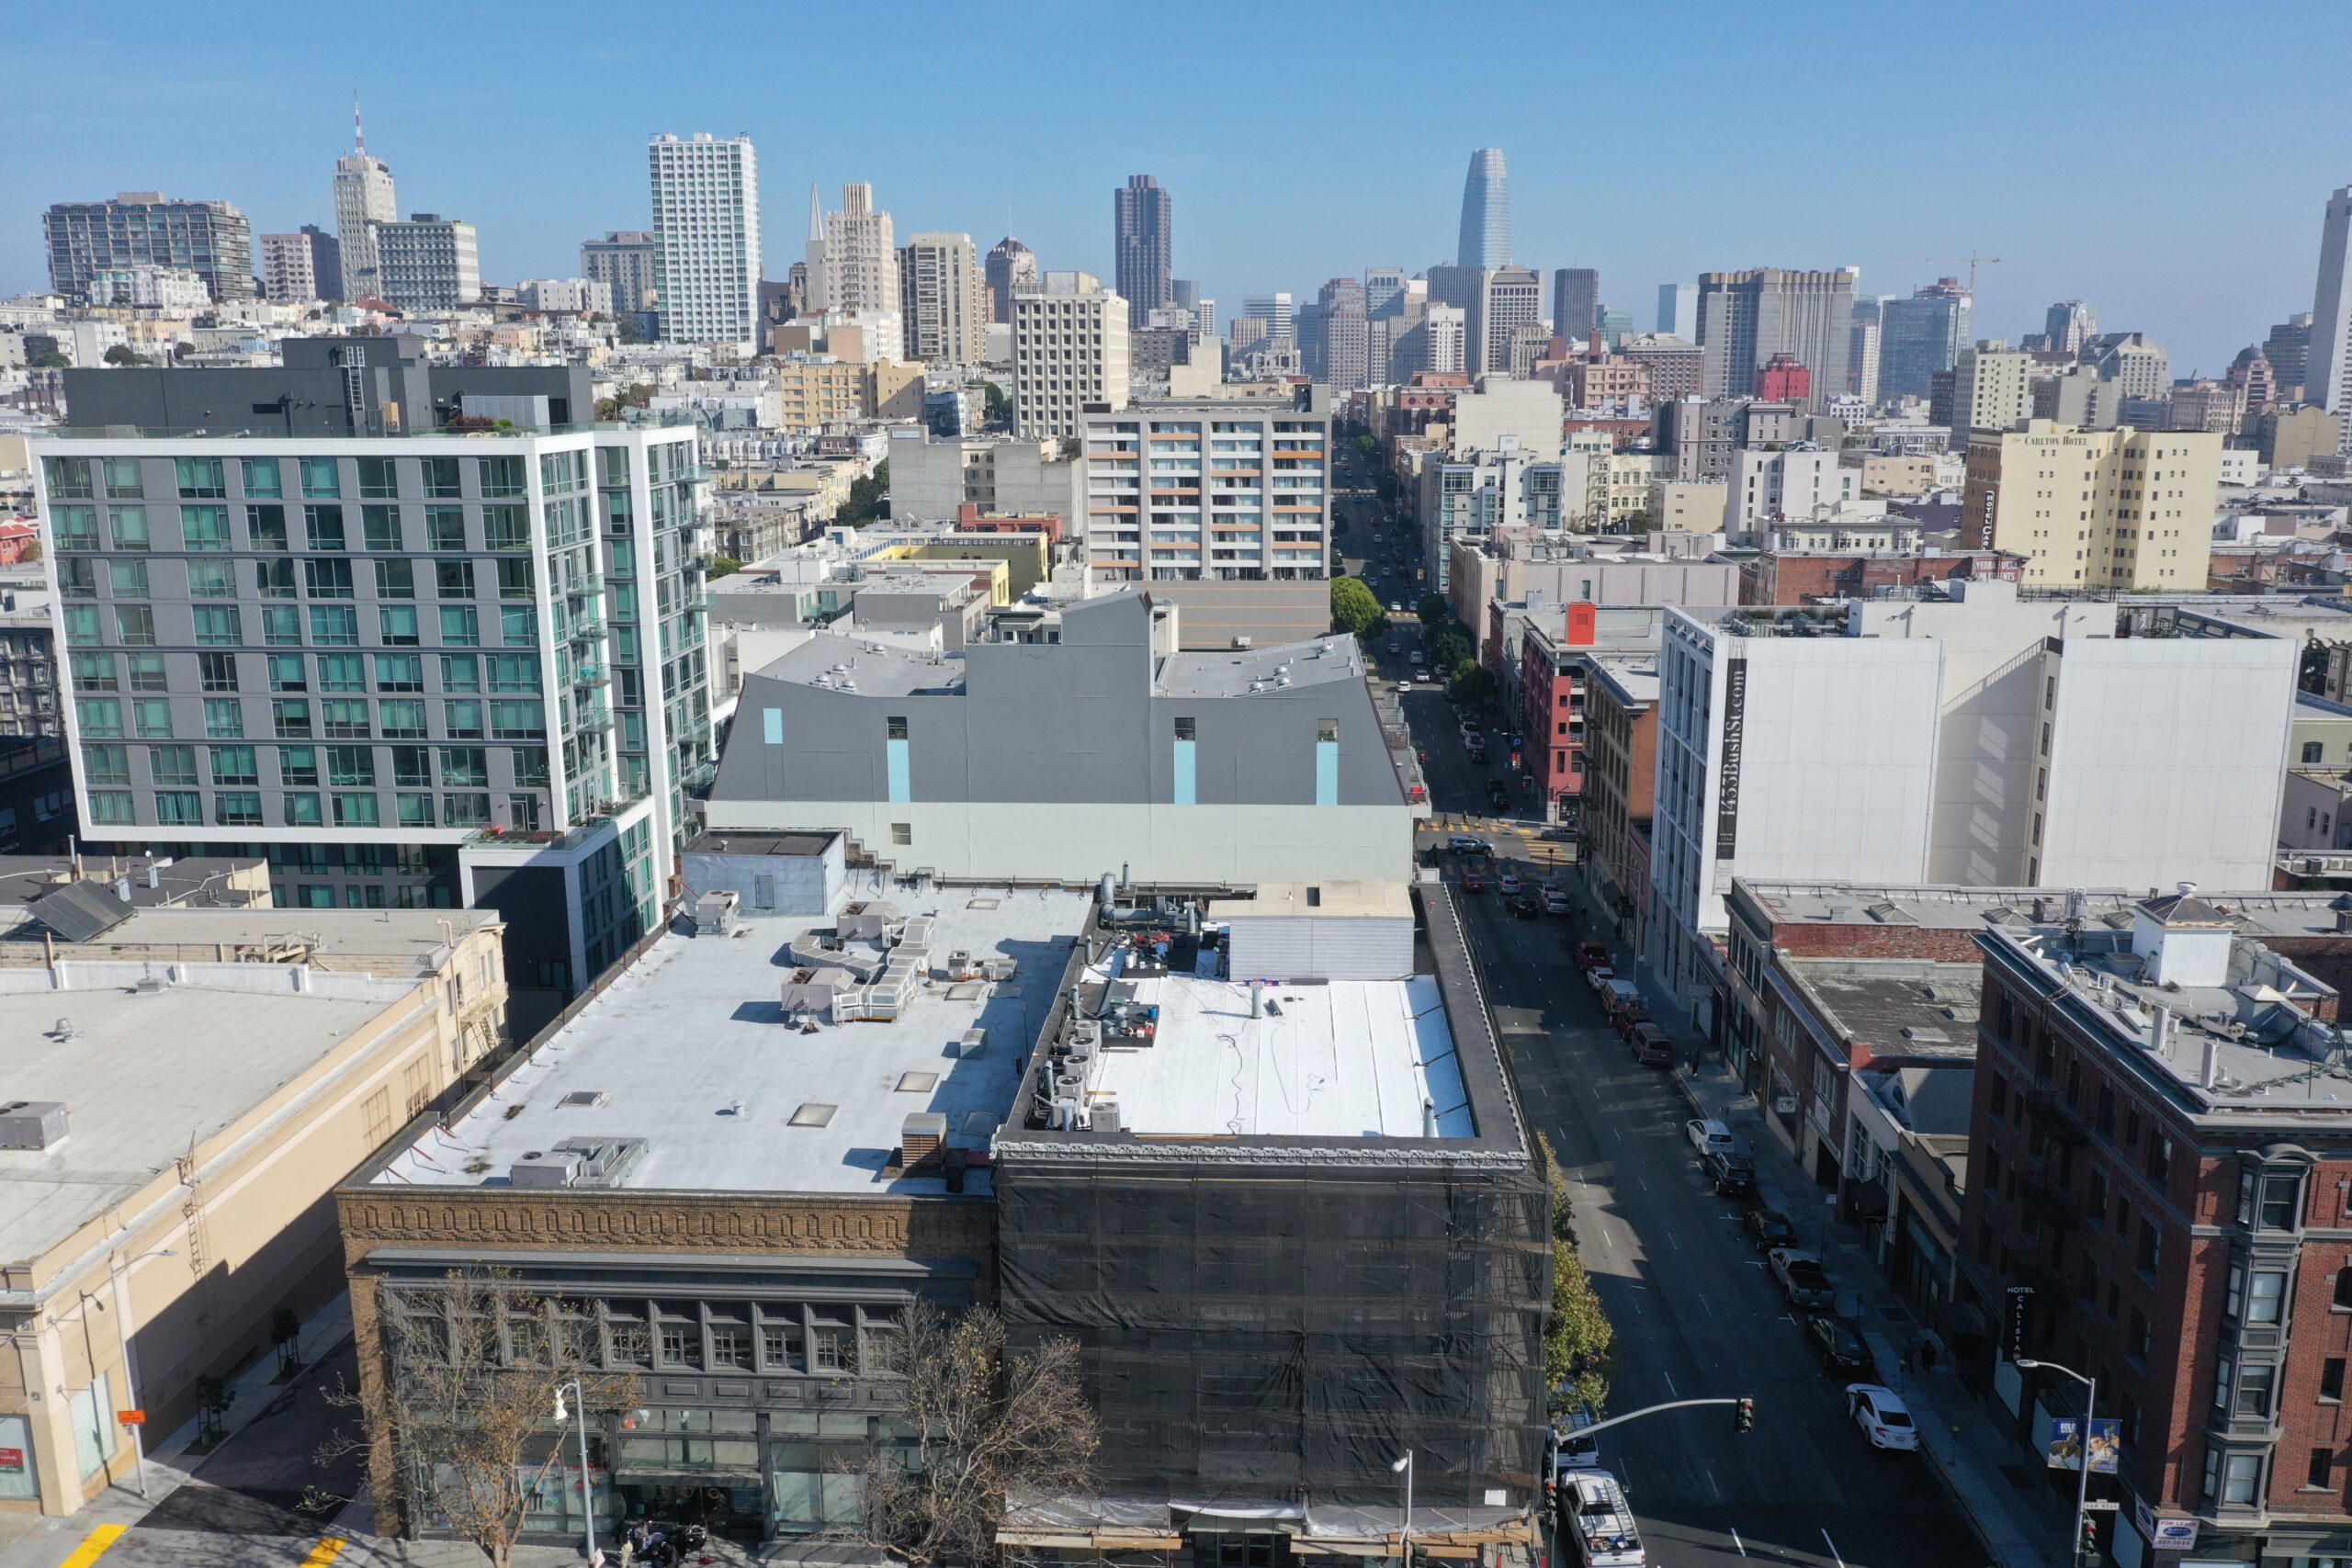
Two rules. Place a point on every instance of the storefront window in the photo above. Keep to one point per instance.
(16, 1478)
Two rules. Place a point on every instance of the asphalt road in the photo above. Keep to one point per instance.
(1696, 1315)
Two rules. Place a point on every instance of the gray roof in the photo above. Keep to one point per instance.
(868, 669)
(1241, 673)
(80, 910)
(1898, 1007)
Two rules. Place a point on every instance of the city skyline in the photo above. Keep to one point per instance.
(2202, 261)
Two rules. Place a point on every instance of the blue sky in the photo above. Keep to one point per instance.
(2168, 162)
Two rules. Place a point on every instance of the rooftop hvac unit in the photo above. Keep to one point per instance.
(1104, 1118)
(32, 1124)
(1065, 1114)
(973, 1043)
(546, 1168)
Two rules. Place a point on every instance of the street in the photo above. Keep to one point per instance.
(1695, 1312)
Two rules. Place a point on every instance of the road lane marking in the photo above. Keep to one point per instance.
(1737, 1542)
(94, 1546)
(1833, 1549)
(329, 1547)
(1669, 1382)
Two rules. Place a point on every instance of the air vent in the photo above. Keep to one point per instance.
(32, 1124)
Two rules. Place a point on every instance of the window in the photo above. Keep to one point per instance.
(403, 718)
(514, 580)
(147, 672)
(265, 526)
(205, 527)
(302, 810)
(2139, 1334)
(444, 529)
(134, 626)
(833, 1342)
(206, 578)
(505, 528)
(77, 526)
(78, 578)
(414, 810)
(237, 808)
(397, 625)
(378, 480)
(107, 764)
(465, 811)
(96, 1435)
(462, 719)
(440, 477)
(903, 833)
(112, 807)
(2266, 1302)
(224, 718)
(357, 811)
(2152, 1246)
(501, 476)
(514, 673)
(219, 625)
(412, 767)
(262, 478)
(518, 721)
(151, 717)
(518, 626)
(2159, 1159)
(127, 527)
(123, 476)
(460, 673)
(2343, 1275)
(1185, 730)
(2313, 750)
(395, 580)
(400, 672)
(465, 765)
(453, 579)
(334, 625)
(174, 767)
(297, 764)
(217, 672)
(783, 1347)
(179, 809)
(289, 673)
(201, 477)
(2281, 1201)
(2323, 1469)
(322, 525)
(328, 579)
(894, 728)
(290, 720)
(274, 578)
(319, 479)
(2331, 1378)
(342, 672)
(2255, 1386)
(345, 717)
(1326, 731)
(235, 765)
(460, 625)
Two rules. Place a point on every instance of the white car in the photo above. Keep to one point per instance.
(1394, 646)
(1707, 1134)
(1885, 1419)
(1556, 901)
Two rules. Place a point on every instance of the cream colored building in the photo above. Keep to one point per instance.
(942, 299)
(2127, 509)
(813, 393)
(1991, 389)
(198, 1081)
(1625, 490)
(1895, 475)
(1694, 506)
(894, 389)
(1070, 349)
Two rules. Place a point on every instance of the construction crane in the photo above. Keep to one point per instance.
(1973, 258)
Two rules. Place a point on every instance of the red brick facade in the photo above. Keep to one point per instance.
(1775, 578)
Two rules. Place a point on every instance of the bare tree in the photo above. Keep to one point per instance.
(458, 1411)
(983, 1421)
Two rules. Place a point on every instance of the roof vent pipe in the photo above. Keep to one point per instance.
(1429, 1118)
(1110, 892)
(2212, 1062)
(2160, 1029)
(1257, 999)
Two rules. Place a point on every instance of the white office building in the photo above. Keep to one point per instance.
(1769, 485)
(363, 198)
(1975, 740)
(427, 262)
(861, 259)
(706, 234)
(568, 295)
(1219, 489)
(1070, 349)
(2327, 378)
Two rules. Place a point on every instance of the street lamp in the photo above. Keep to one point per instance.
(587, 1497)
(1405, 1530)
(2090, 1407)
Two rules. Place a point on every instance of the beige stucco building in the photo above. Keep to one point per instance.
(191, 1085)
(2127, 509)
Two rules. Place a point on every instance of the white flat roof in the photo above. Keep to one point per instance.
(1346, 1059)
(688, 1051)
(140, 1076)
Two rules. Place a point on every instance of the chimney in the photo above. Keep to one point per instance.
(921, 1139)
(155, 876)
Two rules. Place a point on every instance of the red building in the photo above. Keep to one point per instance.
(18, 536)
(1784, 379)
(1798, 577)
(1552, 675)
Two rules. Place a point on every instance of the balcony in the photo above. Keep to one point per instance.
(590, 676)
(593, 716)
(581, 586)
(588, 628)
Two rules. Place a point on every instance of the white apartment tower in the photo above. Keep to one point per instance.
(1070, 349)
(2327, 380)
(707, 233)
(944, 299)
(861, 262)
(363, 198)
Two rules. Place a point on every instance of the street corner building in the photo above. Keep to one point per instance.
(1094, 745)
(1258, 1156)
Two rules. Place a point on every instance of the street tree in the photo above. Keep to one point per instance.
(458, 1406)
(1354, 610)
(1433, 610)
(982, 1423)
(1580, 1343)
(1473, 687)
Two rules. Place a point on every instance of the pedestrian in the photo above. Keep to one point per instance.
(1928, 1354)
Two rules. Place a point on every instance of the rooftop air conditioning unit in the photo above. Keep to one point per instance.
(543, 1169)
(32, 1124)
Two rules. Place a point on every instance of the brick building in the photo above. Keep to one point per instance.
(1796, 577)
(1621, 778)
(1784, 379)
(2161, 1146)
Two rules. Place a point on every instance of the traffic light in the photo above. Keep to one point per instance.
(1743, 1417)
(2087, 1549)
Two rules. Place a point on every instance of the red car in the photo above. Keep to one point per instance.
(1591, 955)
(1473, 882)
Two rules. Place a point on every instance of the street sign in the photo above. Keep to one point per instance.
(132, 1418)
(2103, 1505)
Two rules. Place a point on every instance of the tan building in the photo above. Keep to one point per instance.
(1070, 349)
(1693, 506)
(154, 1215)
(1991, 389)
(894, 389)
(942, 299)
(813, 393)
(2127, 509)
(1913, 475)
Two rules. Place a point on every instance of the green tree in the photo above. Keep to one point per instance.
(996, 409)
(1580, 1343)
(723, 566)
(1472, 685)
(869, 499)
(52, 360)
(123, 353)
(1368, 446)
(1354, 608)
(1433, 610)
(1448, 650)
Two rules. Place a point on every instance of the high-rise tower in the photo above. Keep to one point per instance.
(2327, 373)
(1144, 238)
(363, 198)
(1012, 268)
(1485, 212)
(707, 233)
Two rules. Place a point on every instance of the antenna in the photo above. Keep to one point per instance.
(358, 130)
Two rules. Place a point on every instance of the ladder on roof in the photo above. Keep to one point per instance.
(200, 1232)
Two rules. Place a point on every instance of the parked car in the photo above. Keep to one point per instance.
(1525, 906)
(1511, 883)
(1729, 1173)
(1769, 1228)
(1599, 979)
(1839, 1342)
(1885, 1419)
(1395, 647)
(1590, 955)
(1467, 844)
(1473, 882)
(1707, 1134)
(1498, 795)
(1652, 1047)
(1556, 901)
(1800, 1278)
